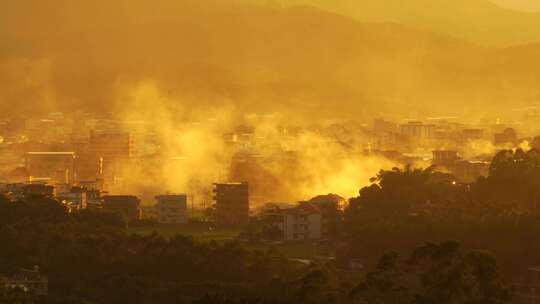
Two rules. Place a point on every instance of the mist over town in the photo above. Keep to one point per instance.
(254, 151)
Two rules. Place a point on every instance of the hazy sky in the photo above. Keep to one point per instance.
(258, 58)
(523, 5)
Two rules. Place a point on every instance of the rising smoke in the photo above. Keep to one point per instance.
(186, 151)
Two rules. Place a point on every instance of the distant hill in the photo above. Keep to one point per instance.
(259, 58)
(479, 21)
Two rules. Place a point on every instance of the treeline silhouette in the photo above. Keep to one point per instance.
(89, 258)
(498, 213)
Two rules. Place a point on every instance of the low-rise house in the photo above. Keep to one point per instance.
(331, 207)
(74, 200)
(20, 191)
(29, 281)
(15, 191)
(507, 137)
(94, 200)
(445, 158)
(469, 171)
(39, 189)
(303, 222)
(127, 206)
(172, 209)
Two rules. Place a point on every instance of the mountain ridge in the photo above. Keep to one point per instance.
(478, 21)
(261, 58)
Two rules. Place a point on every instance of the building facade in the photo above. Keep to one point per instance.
(232, 203)
(58, 166)
(127, 206)
(445, 158)
(417, 132)
(302, 223)
(172, 209)
(29, 281)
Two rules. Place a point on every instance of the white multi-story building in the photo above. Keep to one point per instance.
(303, 222)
